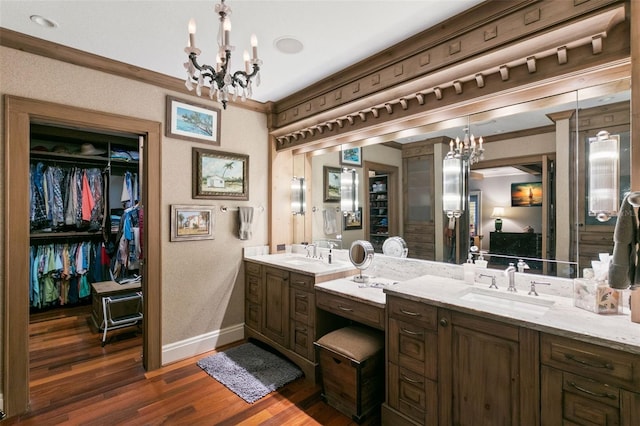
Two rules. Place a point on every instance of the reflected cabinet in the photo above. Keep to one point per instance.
(418, 198)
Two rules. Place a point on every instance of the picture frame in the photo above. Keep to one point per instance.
(526, 194)
(352, 220)
(331, 184)
(351, 157)
(192, 222)
(220, 175)
(192, 121)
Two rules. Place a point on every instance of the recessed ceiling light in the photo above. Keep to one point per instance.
(288, 44)
(43, 22)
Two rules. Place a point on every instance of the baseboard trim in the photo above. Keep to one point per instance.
(203, 343)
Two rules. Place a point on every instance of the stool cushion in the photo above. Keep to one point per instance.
(353, 342)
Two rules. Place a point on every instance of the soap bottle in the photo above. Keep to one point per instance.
(521, 265)
(469, 270)
(330, 255)
(480, 262)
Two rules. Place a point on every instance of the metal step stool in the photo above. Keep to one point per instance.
(113, 323)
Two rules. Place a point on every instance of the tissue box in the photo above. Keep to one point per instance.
(596, 296)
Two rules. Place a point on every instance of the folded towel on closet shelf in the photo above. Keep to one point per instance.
(622, 269)
(329, 222)
(245, 214)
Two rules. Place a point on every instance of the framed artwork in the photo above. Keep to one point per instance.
(220, 175)
(332, 184)
(353, 220)
(526, 194)
(192, 121)
(351, 157)
(190, 222)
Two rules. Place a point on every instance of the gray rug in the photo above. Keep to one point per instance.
(249, 371)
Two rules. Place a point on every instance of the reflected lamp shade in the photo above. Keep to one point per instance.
(298, 190)
(604, 176)
(453, 186)
(349, 191)
(498, 214)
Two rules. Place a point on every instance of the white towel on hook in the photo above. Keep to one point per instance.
(329, 222)
(245, 214)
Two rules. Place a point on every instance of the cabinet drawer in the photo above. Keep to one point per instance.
(347, 308)
(304, 282)
(413, 347)
(591, 389)
(585, 411)
(302, 339)
(302, 304)
(413, 312)
(253, 268)
(253, 315)
(609, 366)
(253, 288)
(412, 394)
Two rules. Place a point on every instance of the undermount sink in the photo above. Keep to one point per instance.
(506, 302)
(302, 261)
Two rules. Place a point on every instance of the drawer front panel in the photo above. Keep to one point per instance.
(413, 348)
(253, 268)
(413, 395)
(302, 340)
(609, 366)
(591, 389)
(302, 304)
(347, 308)
(253, 288)
(585, 411)
(253, 315)
(303, 282)
(413, 312)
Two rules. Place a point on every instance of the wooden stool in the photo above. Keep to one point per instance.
(352, 370)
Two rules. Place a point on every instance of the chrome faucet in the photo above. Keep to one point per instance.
(510, 272)
(532, 290)
(315, 248)
(493, 279)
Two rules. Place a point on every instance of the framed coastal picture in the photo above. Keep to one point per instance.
(351, 157)
(331, 184)
(353, 220)
(526, 194)
(220, 175)
(192, 121)
(191, 222)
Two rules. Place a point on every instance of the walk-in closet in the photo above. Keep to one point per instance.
(85, 225)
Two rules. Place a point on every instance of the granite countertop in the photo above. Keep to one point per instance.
(302, 264)
(370, 292)
(546, 313)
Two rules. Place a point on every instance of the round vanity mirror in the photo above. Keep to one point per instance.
(361, 256)
(395, 247)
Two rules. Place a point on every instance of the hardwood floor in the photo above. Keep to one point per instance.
(75, 381)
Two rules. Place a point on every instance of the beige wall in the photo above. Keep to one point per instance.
(202, 288)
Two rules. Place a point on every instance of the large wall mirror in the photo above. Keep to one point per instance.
(532, 184)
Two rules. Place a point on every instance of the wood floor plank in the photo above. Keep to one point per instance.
(74, 380)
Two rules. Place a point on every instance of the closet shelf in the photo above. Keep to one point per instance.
(65, 234)
(79, 158)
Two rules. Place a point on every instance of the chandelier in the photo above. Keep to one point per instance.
(455, 168)
(221, 81)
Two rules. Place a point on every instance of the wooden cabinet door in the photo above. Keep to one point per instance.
(275, 321)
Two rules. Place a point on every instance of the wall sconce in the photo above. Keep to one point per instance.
(604, 175)
(349, 191)
(498, 214)
(453, 190)
(298, 190)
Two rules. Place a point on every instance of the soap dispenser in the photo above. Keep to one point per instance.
(469, 270)
(480, 262)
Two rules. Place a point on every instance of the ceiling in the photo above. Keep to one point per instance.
(152, 34)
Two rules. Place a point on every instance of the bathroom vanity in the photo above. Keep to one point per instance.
(457, 353)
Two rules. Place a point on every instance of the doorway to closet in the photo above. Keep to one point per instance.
(21, 115)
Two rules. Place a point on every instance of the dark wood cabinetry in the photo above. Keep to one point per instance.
(445, 367)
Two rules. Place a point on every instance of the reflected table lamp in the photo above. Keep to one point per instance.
(497, 214)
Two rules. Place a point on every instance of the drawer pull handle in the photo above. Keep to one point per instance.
(300, 282)
(413, 314)
(301, 296)
(588, 392)
(589, 364)
(410, 380)
(302, 329)
(412, 333)
(342, 308)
